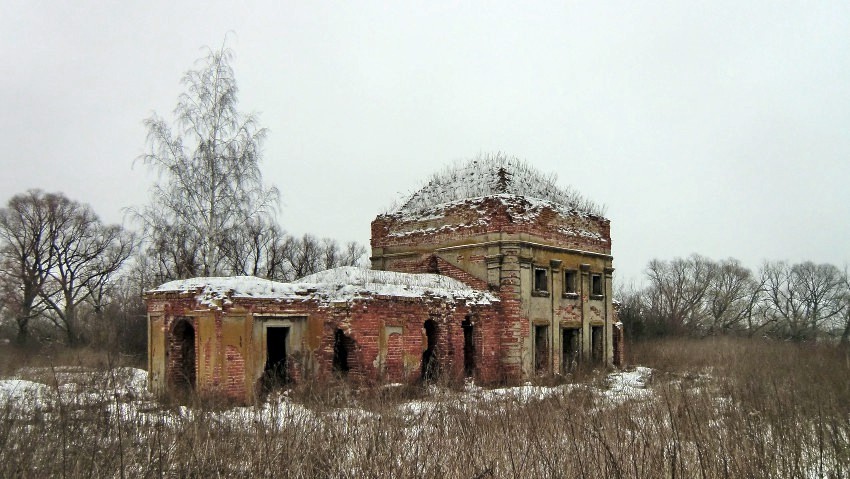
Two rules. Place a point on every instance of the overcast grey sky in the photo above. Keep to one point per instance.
(718, 127)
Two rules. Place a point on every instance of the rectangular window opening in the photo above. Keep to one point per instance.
(541, 280)
(570, 283)
(596, 285)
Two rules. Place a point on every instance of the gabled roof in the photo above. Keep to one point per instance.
(494, 175)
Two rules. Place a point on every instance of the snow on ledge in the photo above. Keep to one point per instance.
(338, 284)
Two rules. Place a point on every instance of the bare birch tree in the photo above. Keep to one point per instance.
(210, 180)
(256, 250)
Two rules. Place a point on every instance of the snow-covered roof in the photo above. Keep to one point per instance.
(338, 284)
(520, 208)
(494, 175)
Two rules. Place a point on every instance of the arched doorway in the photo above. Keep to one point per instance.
(183, 354)
(342, 348)
(430, 366)
(468, 347)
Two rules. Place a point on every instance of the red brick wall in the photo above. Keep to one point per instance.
(490, 215)
(447, 269)
(363, 321)
(234, 374)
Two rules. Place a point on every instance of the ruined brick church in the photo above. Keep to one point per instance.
(490, 271)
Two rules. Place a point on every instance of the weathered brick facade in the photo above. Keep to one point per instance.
(524, 250)
(384, 334)
(498, 287)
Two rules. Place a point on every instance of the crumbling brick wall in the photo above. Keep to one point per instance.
(492, 214)
(375, 356)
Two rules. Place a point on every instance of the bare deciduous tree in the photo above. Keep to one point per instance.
(210, 180)
(732, 293)
(86, 254)
(308, 255)
(256, 250)
(803, 297)
(56, 254)
(845, 287)
(26, 256)
(677, 289)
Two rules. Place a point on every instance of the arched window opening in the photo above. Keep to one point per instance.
(342, 348)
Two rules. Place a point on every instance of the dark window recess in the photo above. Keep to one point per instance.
(342, 347)
(541, 349)
(184, 337)
(596, 344)
(468, 348)
(541, 280)
(596, 285)
(429, 356)
(570, 282)
(571, 349)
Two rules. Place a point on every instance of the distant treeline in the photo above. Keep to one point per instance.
(698, 296)
(66, 276)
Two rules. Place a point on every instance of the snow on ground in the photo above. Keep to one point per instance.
(123, 390)
(20, 392)
(626, 385)
(46, 388)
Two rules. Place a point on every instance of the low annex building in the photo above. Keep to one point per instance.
(490, 271)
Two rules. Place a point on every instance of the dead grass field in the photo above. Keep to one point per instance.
(705, 409)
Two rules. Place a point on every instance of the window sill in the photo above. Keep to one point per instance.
(597, 296)
(570, 295)
(540, 294)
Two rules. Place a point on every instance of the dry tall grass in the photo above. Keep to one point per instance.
(716, 408)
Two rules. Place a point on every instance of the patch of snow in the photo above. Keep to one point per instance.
(626, 385)
(338, 284)
(22, 392)
(524, 393)
(494, 175)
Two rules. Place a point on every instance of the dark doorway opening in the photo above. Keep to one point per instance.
(541, 349)
(571, 349)
(183, 350)
(618, 347)
(597, 344)
(342, 348)
(429, 355)
(275, 373)
(468, 348)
